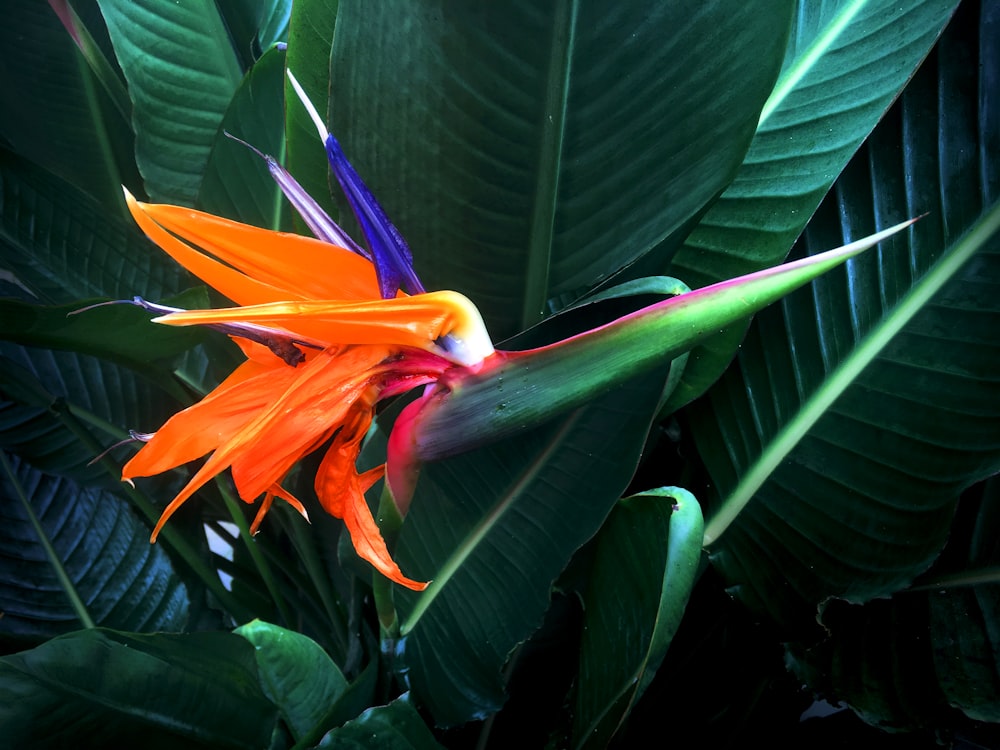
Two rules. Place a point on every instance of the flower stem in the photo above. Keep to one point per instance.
(259, 561)
(389, 522)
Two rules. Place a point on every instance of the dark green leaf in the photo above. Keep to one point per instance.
(296, 674)
(529, 150)
(845, 64)
(42, 389)
(396, 726)
(237, 184)
(120, 333)
(643, 570)
(926, 656)
(55, 112)
(59, 245)
(493, 528)
(182, 72)
(101, 688)
(310, 35)
(123, 580)
(863, 464)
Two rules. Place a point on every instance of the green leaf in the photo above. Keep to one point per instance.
(926, 658)
(59, 245)
(123, 580)
(846, 62)
(857, 412)
(237, 184)
(101, 688)
(136, 342)
(310, 34)
(42, 389)
(643, 570)
(528, 151)
(396, 726)
(56, 113)
(492, 529)
(182, 72)
(296, 674)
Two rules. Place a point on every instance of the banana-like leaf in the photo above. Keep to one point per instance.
(857, 412)
(493, 528)
(59, 245)
(101, 688)
(182, 72)
(643, 570)
(236, 183)
(926, 658)
(310, 34)
(526, 150)
(846, 62)
(55, 112)
(396, 726)
(296, 674)
(123, 581)
(44, 394)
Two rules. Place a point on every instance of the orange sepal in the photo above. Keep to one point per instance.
(299, 267)
(341, 492)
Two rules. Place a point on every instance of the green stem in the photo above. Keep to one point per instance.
(64, 580)
(305, 548)
(259, 561)
(390, 522)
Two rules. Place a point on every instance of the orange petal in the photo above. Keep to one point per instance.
(341, 491)
(300, 267)
(419, 321)
(203, 427)
(232, 283)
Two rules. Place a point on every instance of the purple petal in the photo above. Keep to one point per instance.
(318, 220)
(393, 260)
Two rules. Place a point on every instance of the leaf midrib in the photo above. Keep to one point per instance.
(838, 381)
(553, 127)
(476, 536)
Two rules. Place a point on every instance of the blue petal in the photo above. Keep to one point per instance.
(393, 260)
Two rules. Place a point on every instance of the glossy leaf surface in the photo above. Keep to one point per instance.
(123, 581)
(296, 674)
(846, 62)
(527, 151)
(859, 500)
(643, 571)
(101, 688)
(178, 98)
(493, 528)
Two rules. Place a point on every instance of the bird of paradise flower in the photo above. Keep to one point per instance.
(328, 334)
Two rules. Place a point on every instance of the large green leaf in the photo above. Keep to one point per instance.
(59, 245)
(396, 726)
(857, 412)
(492, 529)
(55, 112)
(310, 35)
(182, 72)
(528, 151)
(296, 674)
(643, 570)
(846, 62)
(123, 581)
(928, 655)
(101, 688)
(237, 184)
(41, 391)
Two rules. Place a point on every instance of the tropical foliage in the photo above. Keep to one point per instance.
(769, 519)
